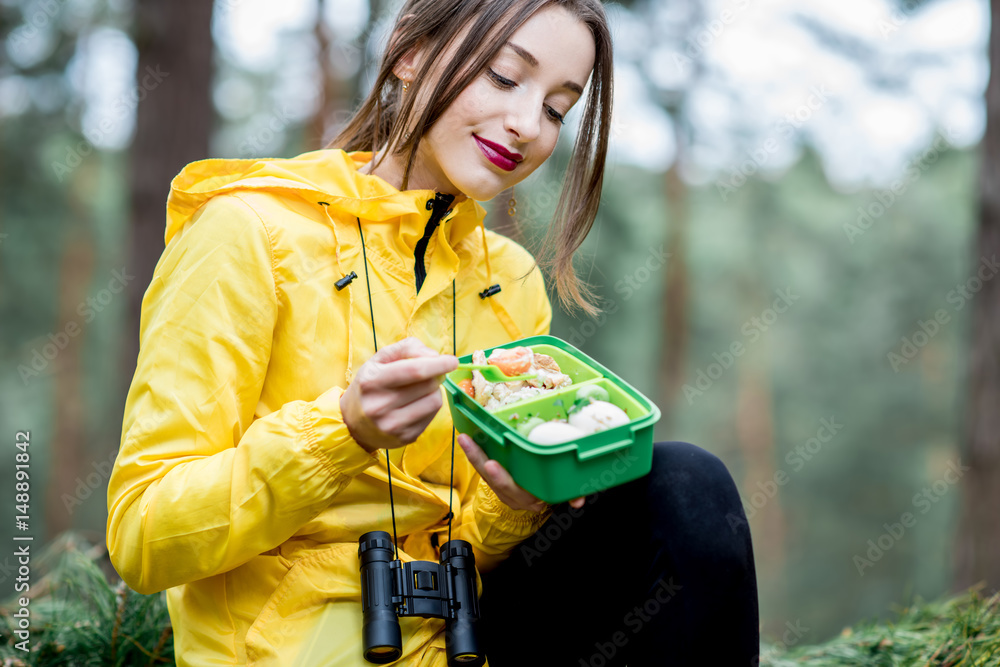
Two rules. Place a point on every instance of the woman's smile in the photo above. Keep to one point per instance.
(497, 154)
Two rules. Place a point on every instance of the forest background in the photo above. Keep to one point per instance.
(796, 252)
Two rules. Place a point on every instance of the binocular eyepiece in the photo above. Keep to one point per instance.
(391, 588)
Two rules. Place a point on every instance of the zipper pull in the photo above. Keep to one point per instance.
(439, 202)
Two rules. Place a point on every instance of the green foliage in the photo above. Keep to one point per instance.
(79, 618)
(964, 630)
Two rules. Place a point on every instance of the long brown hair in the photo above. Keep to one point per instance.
(433, 25)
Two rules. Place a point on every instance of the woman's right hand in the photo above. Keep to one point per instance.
(395, 394)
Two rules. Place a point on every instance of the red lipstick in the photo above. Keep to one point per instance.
(497, 154)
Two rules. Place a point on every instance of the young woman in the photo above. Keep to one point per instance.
(294, 337)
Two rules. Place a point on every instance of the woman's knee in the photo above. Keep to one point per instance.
(693, 492)
(681, 466)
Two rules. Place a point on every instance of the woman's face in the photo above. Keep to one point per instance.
(506, 123)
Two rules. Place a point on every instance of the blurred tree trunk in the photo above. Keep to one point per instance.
(173, 125)
(675, 324)
(978, 544)
(761, 479)
(343, 66)
(675, 280)
(332, 86)
(62, 495)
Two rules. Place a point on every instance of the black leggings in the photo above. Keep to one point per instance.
(658, 571)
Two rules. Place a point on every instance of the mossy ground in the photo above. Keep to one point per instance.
(960, 631)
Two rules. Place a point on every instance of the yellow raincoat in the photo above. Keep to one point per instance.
(237, 487)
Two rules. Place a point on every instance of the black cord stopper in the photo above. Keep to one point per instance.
(346, 280)
(489, 291)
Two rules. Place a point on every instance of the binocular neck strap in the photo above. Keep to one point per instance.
(454, 350)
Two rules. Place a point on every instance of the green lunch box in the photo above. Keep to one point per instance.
(568, 470)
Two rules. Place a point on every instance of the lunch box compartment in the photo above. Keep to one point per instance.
(561, 472)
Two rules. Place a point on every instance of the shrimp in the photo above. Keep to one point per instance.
(466, 386)
(482, 389)
(513, 361)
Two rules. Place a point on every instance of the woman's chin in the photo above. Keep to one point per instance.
(482, 191)
(479, 185)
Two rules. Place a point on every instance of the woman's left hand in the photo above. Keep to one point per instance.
(500, 480)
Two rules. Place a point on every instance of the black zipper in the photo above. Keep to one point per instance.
(439, 208)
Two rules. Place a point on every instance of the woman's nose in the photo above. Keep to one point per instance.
(523, 122)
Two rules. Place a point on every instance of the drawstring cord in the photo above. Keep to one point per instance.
(498, 310)
(454, 351)
(349, 373)
(388, 463)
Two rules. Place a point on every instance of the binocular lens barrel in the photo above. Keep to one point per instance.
(381, 636)
(461, 636)
(383, 641)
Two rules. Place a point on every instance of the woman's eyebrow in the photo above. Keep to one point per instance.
(533, 61)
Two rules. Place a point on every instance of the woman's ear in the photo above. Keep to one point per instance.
(406, 67)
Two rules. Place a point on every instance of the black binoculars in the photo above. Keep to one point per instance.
(391, 588)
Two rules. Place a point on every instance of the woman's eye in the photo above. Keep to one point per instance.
(503, 82)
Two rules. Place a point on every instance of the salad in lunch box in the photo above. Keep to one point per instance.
(513, 361)
(590, 413)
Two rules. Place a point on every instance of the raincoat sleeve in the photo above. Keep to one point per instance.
(493, 528)
(199, 485)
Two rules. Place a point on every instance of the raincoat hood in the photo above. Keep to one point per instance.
(237, 488)
(323, 175)
(330, 178)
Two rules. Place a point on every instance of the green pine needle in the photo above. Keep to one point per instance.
(963, 631)
(79, 618)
